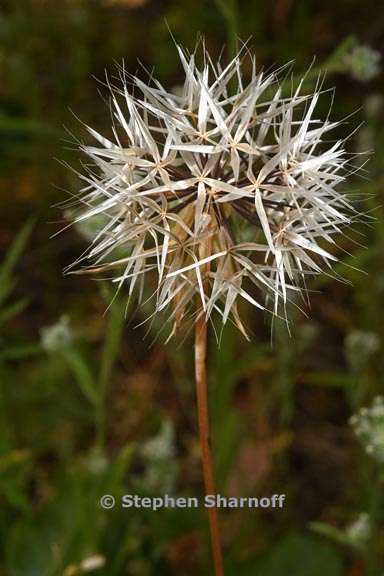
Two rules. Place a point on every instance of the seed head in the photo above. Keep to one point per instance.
(222, 190)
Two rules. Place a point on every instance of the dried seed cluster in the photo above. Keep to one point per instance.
(222, 189)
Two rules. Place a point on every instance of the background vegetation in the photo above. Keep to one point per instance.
(89, 406)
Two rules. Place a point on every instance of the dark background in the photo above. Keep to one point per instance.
(280, 413)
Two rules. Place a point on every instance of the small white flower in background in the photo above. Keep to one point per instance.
(97, 463)
(57, 336)
(359, 348)
(224, 191)
(87, 565)
(368, 425)
(363, 63)
(161, 446)
(358, 531)
(159, 453)
(93, 563)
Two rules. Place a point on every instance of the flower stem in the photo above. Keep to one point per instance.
(203, 418)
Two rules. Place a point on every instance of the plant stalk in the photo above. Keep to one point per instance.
(204, 434)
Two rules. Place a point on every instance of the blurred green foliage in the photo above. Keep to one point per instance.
(90, 404)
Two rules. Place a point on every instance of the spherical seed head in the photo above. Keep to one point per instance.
(222, 190)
